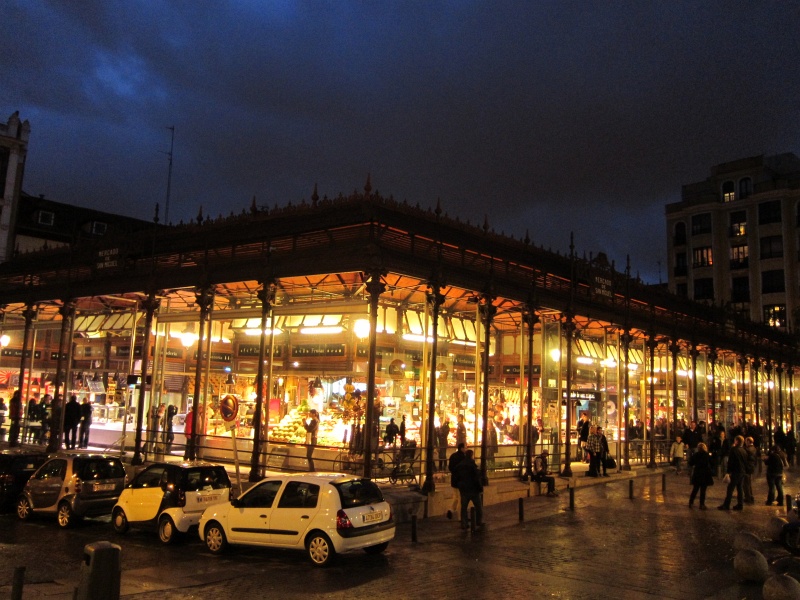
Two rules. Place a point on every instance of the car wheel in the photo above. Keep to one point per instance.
(377, 548)
(166, 529)
(216, 541)
(119, 521)
(320, 549)
(65, 515)
(24, 509)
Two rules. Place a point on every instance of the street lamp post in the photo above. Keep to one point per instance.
(652, 344)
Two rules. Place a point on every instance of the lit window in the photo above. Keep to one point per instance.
(701, 257)
(739, 257)
(738, 223)
(775, 315)
(728, 191)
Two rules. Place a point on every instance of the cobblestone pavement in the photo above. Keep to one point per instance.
(609, 546)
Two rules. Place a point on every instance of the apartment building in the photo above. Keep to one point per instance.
(733, 239)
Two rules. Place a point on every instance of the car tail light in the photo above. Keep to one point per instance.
(181, 498)
(342, 520)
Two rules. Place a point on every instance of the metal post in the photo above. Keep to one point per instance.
(267, 297)
(150, 304)
(375, 287)
(435, 299)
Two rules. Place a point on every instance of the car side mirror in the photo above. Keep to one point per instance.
(235, 503)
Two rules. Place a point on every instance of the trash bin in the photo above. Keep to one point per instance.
(100, 572)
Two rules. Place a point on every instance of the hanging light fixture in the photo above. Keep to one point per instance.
(230, 380)
(188, 336)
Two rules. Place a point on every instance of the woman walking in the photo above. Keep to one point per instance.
(702, 475)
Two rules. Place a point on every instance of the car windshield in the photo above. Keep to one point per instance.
(214, 478)
(93, 468)
(358, 492)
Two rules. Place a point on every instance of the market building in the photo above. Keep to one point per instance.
(367, 310)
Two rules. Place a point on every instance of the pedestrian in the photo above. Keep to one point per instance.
(3, 413)
(454, 460)
(442, 439)
(53, 443)
(461, 431)
(72, 417)
(594, 446)
(14, 415)
(676, 454)
(751, 452)
(584, 427)
(32, 419)
(791, 445)
(605, 453)
(172, 410)
(45, 411)
(691, 437)
(470, 488)
(402, 432)
(188, 426)
(392, 431)
(775, 462)
(311, 425)
(491, 444)
(737, 467)
(541, 473)
(85, 423)
(702, 474)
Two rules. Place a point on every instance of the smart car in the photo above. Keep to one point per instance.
(170, 497)
(72, 487)
(323, 513)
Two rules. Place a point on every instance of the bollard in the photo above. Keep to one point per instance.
(630, 489)
(413, 528)
(17, 583)
(572, 498)
(521, 511)
(100, 572)
(788, 500)
(663, 483)
(472, 518)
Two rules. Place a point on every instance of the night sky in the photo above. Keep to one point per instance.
(546, 117)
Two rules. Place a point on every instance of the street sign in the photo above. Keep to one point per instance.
(229, 408)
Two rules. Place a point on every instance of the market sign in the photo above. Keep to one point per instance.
(603, 286)
(107, 259)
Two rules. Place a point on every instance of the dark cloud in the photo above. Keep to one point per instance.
(550, 117)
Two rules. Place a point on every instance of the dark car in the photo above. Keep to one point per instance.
(16, 467)
(72, 487)
(171, 497)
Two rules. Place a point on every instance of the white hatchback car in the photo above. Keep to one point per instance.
(170, 497)
(323, 513)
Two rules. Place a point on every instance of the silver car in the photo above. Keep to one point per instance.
(72, 487)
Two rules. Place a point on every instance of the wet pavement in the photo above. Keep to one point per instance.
(609, 546)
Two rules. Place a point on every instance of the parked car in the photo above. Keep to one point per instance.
(171, 497)
(73, 486)
(323, 513)
(16, 467)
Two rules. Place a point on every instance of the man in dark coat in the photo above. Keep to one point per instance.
(750, 468)
(72, 417)
(454, 460)
(737, 466)
(470, 488)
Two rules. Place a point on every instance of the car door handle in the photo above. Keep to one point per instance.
(305, 517)
(262, 516)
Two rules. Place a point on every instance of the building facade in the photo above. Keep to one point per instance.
(733, 239)
(14, 137)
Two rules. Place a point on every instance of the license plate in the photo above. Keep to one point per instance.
(373, 516)
(103, 487)
(207, 499)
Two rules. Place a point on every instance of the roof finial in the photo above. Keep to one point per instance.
(527, 237)
(253, 205)
(485, 223)
(200, 216)
(438, 210)
(314, 196)
(367, 186)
